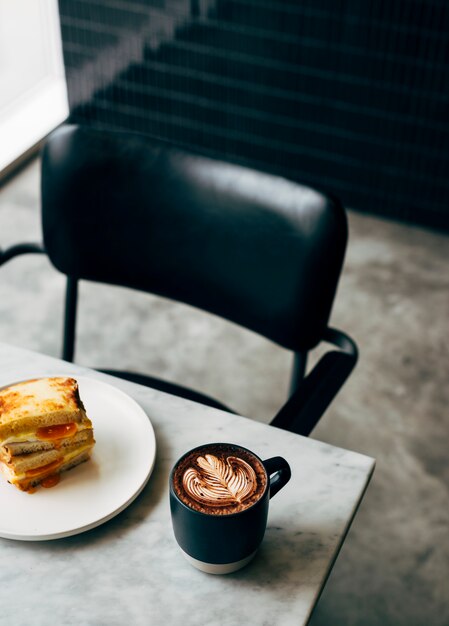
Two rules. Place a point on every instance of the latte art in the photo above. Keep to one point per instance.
(220, 481)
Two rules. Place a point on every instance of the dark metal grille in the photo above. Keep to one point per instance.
(351, 97)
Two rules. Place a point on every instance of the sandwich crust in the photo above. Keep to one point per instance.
(38, 403)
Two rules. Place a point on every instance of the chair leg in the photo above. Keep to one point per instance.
(71, 299)
(298, 370)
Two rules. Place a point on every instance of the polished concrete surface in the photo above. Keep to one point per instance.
(393, 299)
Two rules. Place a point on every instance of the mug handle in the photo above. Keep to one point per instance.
(279, 473)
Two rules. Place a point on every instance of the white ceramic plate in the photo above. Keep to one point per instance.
(94, 492)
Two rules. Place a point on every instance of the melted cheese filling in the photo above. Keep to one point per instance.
(13, 478)
(32, 437)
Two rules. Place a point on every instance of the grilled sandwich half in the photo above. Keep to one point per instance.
(44, 430)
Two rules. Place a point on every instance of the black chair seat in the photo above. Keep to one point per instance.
(172, 388)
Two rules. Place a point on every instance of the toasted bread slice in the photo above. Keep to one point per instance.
(29, 483)
(34, 462)
(33, 404)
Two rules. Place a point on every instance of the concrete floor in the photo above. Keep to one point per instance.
(393, 299)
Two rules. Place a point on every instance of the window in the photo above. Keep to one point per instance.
(33, 94)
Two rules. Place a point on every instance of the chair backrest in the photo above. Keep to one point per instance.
(256, 249)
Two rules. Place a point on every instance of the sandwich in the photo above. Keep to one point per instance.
(44, 430)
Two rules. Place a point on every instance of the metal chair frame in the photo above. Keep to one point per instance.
(310, 395)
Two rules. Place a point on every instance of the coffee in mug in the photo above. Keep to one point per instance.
(219, 480)
(219, 494)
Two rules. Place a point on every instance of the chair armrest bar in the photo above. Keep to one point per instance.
(303, 410)
(341, 340)
(19, 249)
(70, 299)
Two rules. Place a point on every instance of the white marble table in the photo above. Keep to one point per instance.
(130, 571)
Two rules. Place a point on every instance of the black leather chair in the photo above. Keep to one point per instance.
(256, 249)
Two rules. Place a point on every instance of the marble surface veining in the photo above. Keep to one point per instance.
(130, 570)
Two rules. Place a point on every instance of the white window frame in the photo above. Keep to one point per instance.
(26, 120)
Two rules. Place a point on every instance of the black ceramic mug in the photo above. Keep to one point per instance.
(219, 497)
